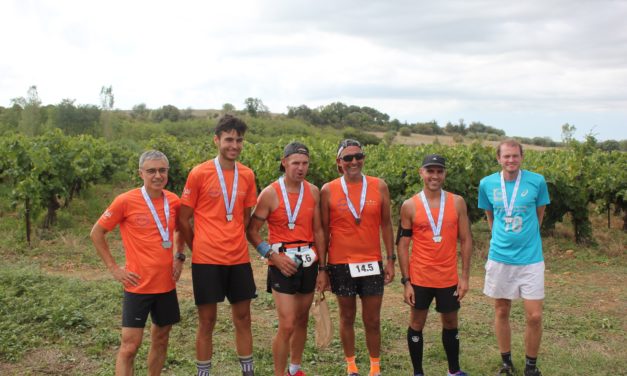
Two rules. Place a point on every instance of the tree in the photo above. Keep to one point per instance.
(167, 112)
(106, 102)
(228, 108)
(568, 133)
(140, 112)
(255, 107)
(31, 119)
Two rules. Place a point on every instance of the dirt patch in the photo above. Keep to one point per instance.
(51, 361)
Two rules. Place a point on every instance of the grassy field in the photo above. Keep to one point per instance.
(60, 310)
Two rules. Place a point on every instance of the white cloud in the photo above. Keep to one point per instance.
(534, 62)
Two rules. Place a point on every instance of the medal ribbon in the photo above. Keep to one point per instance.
(362, 199)
(165, 235)
(509, 209)
(291, 218)
(436, 229)
(227, 205)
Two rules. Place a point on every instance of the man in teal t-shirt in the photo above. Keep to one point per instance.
(514, 201)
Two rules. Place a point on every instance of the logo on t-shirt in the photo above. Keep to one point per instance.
(142, 220)
(497, 195)
(524, 193)
(107, 214)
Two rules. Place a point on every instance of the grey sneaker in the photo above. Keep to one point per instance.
(506, 370)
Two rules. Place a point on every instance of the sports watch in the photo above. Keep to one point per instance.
(180, 256)
(404, 280)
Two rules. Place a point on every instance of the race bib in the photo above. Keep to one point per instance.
(363, 269)
(308, 257)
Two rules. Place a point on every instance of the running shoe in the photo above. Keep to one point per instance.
(458, 373)
(506, 370)
(353, 374)
(298, 373)
(533, 372)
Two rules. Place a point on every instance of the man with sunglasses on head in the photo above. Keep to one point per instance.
(291, 207)
(433, 221)
(355, 210)
(147, 218)
(219, 195)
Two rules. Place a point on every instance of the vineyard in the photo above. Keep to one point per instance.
(46, 172)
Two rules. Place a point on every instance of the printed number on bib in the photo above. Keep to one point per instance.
(308, 257)
(515, 225)
(363, 269)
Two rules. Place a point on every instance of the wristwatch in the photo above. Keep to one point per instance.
(180, 256)
(323, 268)
(392, 257)
(404, 280)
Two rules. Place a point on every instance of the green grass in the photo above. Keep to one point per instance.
(60, 310)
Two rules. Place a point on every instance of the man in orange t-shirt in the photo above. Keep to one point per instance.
(355, 211)
(147, 218)
(219, 195)
(291, 207)
(434, 220)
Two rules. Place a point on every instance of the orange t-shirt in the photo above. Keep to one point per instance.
(141, 239)
(278, 232)
(348, 241)
(434, 264)
(216, 240)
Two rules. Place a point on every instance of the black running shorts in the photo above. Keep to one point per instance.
(212, 283)
(445, 298)
(163, 309)
(343, 284)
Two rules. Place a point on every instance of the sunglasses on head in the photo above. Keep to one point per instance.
(350, 157)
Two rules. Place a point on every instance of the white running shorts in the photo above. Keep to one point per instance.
(504, 281)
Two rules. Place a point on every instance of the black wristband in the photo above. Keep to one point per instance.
(323, 268)
(404, 280)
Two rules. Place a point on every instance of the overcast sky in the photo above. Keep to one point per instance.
(526, 67)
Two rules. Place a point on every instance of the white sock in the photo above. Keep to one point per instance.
(294, 368)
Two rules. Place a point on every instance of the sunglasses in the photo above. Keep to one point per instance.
(349, 158)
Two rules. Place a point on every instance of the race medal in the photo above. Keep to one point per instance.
(228, 205)
(291, 217)
(436, 229)
(362, 198)
(509, 209)
(165, 234)
(364, 269)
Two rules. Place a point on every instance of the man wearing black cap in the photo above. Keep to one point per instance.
(291, 207)
(433, 221)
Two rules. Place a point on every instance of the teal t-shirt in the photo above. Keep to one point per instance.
(518, 242)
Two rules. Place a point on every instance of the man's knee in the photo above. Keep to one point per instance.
(160, 336)
(502, 309)
(534, 318)
(128, 349)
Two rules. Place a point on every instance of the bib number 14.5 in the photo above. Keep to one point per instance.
(363, 269)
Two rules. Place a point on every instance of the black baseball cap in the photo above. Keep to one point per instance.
(434, 160)
(293, 148)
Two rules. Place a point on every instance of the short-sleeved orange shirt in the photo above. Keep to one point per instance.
(348, 241)
(144, 253)
(434, 264)
(216, 240)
